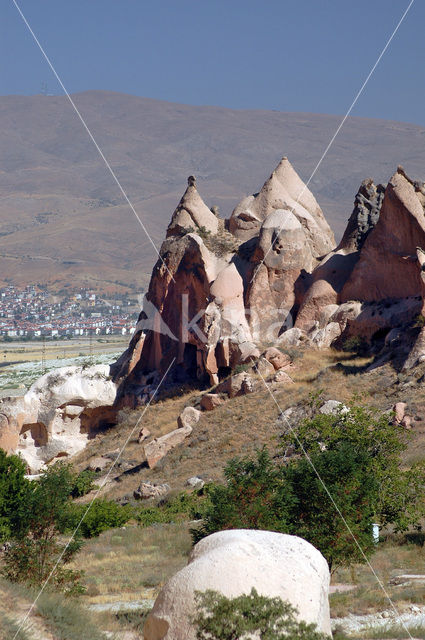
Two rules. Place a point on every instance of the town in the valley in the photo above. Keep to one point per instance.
(32, 312)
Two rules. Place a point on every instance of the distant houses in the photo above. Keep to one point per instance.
(34, 313)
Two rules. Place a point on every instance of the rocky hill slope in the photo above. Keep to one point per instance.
(63, 218)
(223, 290)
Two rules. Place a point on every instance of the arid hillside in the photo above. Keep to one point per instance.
(63, 218)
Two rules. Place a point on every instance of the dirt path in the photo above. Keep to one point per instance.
(15, 608)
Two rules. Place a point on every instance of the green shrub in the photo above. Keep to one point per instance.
(14, 490)
(356, 344)
(102, 515)
(35, 550)
(220, 618)
(83, 483)
(356, 454)
(177, 507)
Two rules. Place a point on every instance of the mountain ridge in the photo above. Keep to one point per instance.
(64, 220)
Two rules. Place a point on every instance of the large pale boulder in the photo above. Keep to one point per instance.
(233, 562)
(58, 414)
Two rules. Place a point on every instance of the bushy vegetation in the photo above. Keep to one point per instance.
(101, 516)
(351, 459)
(35, 549)
(180, 507)
(33, 515)
(13, 492)
(222, 618)
(83, 483)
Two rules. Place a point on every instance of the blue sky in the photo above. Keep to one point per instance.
(288, 55)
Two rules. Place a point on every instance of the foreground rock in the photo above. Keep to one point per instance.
(232, 562)
(58, 414)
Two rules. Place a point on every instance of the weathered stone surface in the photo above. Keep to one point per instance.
(144, 434)
(387, 267)
(195, 482)
(333, 407)
(238, 385)
(264, 368)
(282, 378)
(231, 295)
(278, 359)
(159, 447)
(332, 273)
(57, 414)
(233, 562)
(189, 417)
(99, 463)
(211, 401)
(147, 490)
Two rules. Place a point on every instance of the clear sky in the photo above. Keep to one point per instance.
(288, 55)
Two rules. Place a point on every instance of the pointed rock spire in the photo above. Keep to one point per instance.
(283, 190)
(192, 213)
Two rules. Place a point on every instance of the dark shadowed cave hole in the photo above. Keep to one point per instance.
(224, 372)
(188, 371)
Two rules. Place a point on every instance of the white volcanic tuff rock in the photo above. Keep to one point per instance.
(292, 235)
(232, 562)
(283, 190)
(48, 421)
(192, 212)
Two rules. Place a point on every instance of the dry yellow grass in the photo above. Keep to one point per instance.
(132, 563)
(389, 561)
(245, 423)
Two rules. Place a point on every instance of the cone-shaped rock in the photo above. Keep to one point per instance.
(387, 267)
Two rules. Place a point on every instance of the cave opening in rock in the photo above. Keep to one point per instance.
(189, 361)
(38, 433)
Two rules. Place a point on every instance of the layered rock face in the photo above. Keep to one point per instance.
(57, 415)
(221, 287)
(232, 563)
(372, 282)
(270, 274)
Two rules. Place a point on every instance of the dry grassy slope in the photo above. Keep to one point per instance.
(243, 424)
(62, 217)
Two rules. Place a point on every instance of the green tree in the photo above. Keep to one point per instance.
(356, 455)
(222, 618)
(250, 499)
(400, 496)
(36, 549)
(346, 474)
(14, 488)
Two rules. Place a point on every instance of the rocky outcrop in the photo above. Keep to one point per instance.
(373, 283)
(58, 414)
(158, 448)
(387, 267)
(232, 563)
(329, 278)
(218, 283)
